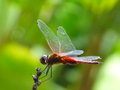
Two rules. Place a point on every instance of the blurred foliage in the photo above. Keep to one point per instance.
(93, 25)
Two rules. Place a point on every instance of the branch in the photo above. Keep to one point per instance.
(36, 79)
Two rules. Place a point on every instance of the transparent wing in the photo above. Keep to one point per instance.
(49, 35)
(72, 53)
(64, 40)
(87, 58)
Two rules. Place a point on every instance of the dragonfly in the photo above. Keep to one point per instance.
(63, 49)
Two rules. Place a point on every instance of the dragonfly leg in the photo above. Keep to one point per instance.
(50, 74)
(46, 73)
(44, 69)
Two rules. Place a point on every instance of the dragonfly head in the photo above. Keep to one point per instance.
(44, 59)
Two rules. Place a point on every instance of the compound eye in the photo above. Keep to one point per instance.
(43, 59)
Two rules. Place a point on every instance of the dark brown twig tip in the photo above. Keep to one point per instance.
(36, 79)
(36, 85)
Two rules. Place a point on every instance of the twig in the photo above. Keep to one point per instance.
(36, 79)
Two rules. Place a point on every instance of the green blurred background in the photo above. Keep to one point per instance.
(93, 26)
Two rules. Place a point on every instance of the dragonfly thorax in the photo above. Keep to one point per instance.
(44, 59)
